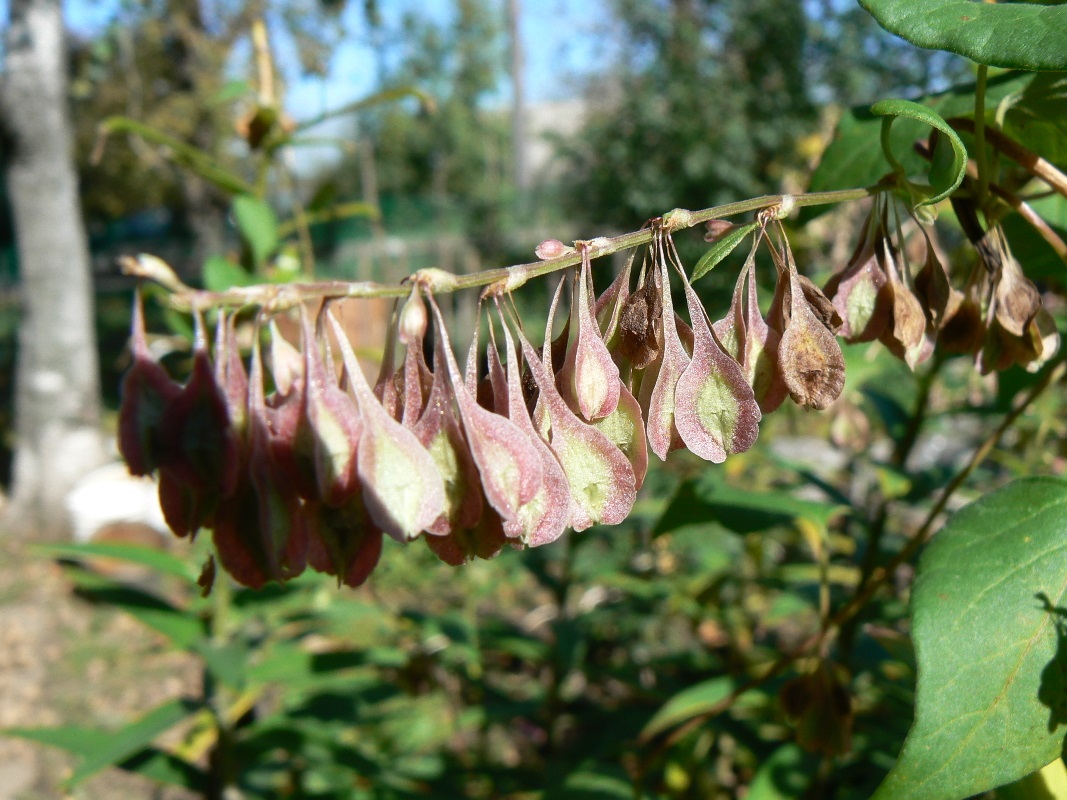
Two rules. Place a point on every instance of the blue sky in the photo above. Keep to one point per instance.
(560, 38)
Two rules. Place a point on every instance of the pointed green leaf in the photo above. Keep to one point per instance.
(688, 703)
(100, 749)
(988, 621)
(720, 250)
(158, 560)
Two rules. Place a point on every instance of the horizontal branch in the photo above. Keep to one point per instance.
(278, 297)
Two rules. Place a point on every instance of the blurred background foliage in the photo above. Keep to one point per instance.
(562, 671)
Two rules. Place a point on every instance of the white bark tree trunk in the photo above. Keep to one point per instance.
(57, 393)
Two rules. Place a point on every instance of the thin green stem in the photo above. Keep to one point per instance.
(979, 136)
(277, 297)
(887, 146)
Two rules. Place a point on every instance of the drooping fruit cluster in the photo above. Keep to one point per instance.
(318, 471)
(998, 317)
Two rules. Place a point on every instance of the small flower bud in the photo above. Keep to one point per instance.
(718, 228)
(552, 248)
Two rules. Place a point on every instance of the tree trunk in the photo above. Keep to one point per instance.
(57, 393)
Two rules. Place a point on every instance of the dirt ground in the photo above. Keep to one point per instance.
(64, 661)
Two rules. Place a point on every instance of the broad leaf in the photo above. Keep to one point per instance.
(991, 646)
(949, 161)
(257, 225)
(1011, 35)
(1038, 117)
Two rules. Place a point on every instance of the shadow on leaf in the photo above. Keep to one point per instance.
(1053, 690)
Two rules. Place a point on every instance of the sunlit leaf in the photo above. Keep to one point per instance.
(988, 621)
(1011, 35)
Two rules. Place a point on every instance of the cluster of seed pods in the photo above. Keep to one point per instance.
(318, 471)
(997, 318)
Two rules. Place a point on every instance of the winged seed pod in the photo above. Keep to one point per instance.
(859, 292)
(343, 540)
(334, 421)
(640, 322)
(441, 434)
(282, 534)
(589, 372)
(905, 335)
(147, 390)
(200, 453)
(508, 464)
(663, 435)
(601, 480)
(547, 515)
(746, 336)
(809, 357)
(402, 489)
(715, 410)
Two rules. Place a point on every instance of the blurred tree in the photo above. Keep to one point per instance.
(703, 103)
(707, 100)
(460, 154)
(57, 402)
(175, 66)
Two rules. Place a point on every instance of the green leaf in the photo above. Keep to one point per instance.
(1036, 255)
(991, 644)
(220, 274)
(1011, 35)
(230, 91)
(226, 662)
(593, 781)
(102, 748)
(257, 225)
(786, 774)
(181, 153)
(739, 510)
(854, 157)
(1037, 118)
(950, 160)
(162, 562)
(162, 767)
(688, 703)
(720, 250)
(183, 629)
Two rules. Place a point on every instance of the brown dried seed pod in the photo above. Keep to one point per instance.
(640, 323)
(809, 356)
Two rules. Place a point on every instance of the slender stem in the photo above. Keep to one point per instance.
(979, 136)
(887, 146)
(1025, 157)
(876, 528)
(277, 297)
